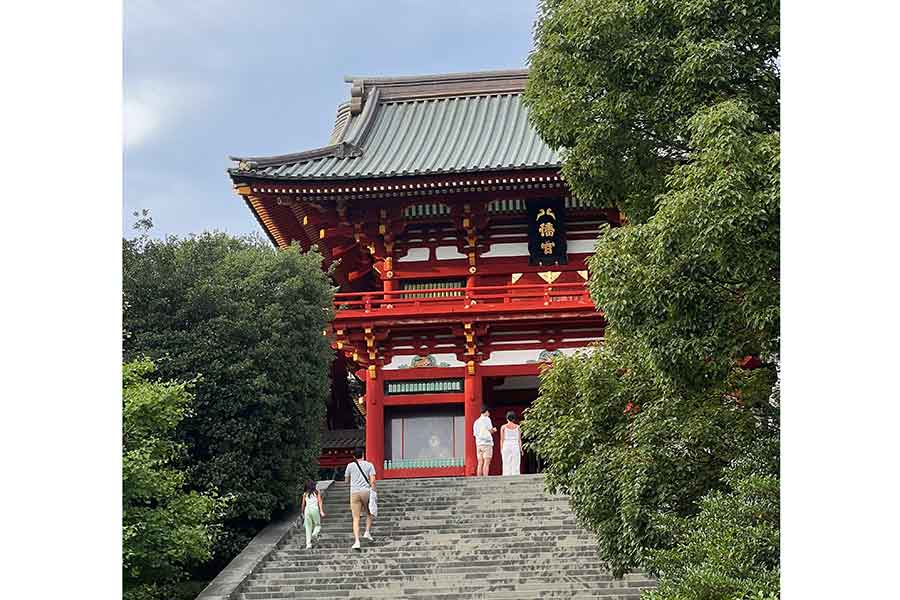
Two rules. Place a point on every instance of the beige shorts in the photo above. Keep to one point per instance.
(484, 451)
(359, 503)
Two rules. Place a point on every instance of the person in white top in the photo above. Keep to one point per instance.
(484, 441)
(361, 475)
(511, 445)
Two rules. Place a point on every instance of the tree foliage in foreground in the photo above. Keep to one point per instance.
(615, 83)
(166, 528)
(246, 320)
(669, 111)
(730, 548)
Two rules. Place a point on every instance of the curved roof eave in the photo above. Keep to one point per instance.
(378, 105)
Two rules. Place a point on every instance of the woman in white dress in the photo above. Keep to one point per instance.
(511, 445)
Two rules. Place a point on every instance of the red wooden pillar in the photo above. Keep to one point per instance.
(472, 408)
(375, 419)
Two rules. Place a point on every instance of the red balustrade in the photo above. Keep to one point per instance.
(475, 299)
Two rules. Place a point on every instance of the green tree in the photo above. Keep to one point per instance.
(615, 84)
(166, 528)
(632, 451)
(249, 320)
(698, 283)
(669, 111)
(730, 548)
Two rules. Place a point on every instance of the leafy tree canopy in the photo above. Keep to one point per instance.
(166, 528)
(616, 83)
(668, 110)
(698, 283)
(730, 548)
(247, 321)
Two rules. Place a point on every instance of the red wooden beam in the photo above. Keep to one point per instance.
(511, 370)
(502, 265)
(427, 472)
(422, 399)
(423, 373)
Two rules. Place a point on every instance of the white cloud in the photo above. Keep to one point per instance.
(141, 122)
(152, 106)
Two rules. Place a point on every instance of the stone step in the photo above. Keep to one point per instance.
(453, 485)
(456, 520)
(399, 532)
(342, 513)
(299, 581)
(430, 552)
(470, 485)
(450, 538)
(337, 521)
(443, 551)
(395, 501)
(444, 544)
(573, 560)
(451, 589)
(370, 560)
(547, 584)
(600, 577)
(463, 532)
(499, 568)
(424, 496)
(444, 502)
(548, 592)
(431, 546)
(405, 547)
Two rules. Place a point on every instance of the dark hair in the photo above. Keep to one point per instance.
(310, 488)
(484, 408)
(511, 417)
(359, 452)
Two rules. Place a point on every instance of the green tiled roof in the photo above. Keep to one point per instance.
(420, 125)
(343, 438)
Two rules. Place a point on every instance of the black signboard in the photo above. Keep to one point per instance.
(547, 231)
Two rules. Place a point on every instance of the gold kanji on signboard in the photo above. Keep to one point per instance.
(546, 230)
(547, 247)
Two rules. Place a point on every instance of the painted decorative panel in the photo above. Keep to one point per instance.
(424, 386)
(432, 284)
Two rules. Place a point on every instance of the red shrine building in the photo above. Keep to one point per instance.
(460, 257)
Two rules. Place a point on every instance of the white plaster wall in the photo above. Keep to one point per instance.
(448, 253)
(414, 255)
(403, 360)
(580, 246)
(521, 357)
(503, 250)
(511, 357)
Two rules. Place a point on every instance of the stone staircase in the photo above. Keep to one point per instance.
(445, 538)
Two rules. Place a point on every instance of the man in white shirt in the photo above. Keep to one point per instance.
(484, 441)
(361, 475)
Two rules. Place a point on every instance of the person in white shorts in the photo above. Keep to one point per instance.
(484, 441)
(361, 474)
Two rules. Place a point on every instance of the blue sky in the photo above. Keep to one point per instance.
(210, 78)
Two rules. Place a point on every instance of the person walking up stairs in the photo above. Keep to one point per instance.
(312, 510)
(361, 475)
